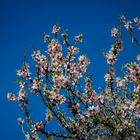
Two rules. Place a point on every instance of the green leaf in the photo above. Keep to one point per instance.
(55, 73)
(17, 80)
(132, 93)
(50, 138)
(103, 52)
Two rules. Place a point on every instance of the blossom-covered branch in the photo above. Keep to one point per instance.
(65, 89)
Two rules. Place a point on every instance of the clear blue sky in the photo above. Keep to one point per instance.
(22, 23)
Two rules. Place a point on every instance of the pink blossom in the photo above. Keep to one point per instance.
(46, 38)
(137, 88)
(37, 126)
(93, 109)
(62, 99)
(101, 99)
(22, 94)
(128, 25)
(79, 37)
(11, 96)
(122, 17)
(138, 114)
(120, 82)
(36, 85)
(111, 58)
(107, 77)
(27, 136)
(56, 29)
(24, 72)
(48, 116)
(114, 32)
(137, 21)
(82, 58)
(138, 57)
(20, 121)
(73, 50)
(22, 84)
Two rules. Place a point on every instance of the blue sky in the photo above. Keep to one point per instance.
(22, 24)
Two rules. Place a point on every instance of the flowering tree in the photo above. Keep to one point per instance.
(65, 88)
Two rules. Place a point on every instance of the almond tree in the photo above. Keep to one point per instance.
(62, 83)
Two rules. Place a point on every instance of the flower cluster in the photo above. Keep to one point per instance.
(55, 53)
(93, 109)
(66, 90)
(24, 72)
(137, 21)
(113, 52)
(21, 95)
(133, 75)
(33, 137)
(40, 58)
(120, 83)
(36, 85)
(37, 126)
(88, 84)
